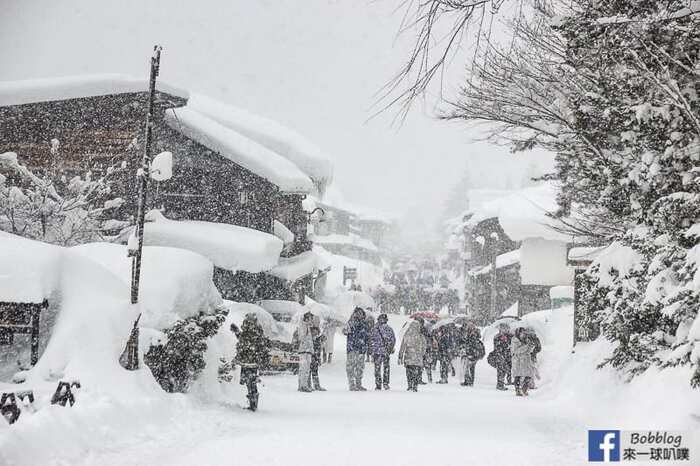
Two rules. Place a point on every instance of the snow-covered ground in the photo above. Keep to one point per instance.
(441, 424)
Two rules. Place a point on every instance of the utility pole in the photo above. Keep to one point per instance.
(142, 176)
(130, 358)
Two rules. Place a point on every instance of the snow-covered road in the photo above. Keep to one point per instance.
(442, 425)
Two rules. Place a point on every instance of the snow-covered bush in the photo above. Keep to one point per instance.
(179, 361)
(51, 207)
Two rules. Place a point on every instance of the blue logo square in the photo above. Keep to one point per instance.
(603, 445)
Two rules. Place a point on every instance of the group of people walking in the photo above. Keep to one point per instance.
(514, 354)
(422, 349)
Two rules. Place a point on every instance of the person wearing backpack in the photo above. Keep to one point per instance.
(382, 343)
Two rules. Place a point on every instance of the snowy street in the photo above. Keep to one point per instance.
(441, 424)
(203, 200)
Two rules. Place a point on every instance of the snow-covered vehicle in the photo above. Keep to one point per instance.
(283, 355)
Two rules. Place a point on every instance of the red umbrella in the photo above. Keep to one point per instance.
(427, 315)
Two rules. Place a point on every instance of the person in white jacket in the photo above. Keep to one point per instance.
(305, 349)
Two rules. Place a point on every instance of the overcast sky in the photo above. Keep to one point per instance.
(313, 65)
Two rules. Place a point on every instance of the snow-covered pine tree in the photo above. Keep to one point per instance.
(639, 113)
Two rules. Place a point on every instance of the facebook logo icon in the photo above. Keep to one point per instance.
(604, 445)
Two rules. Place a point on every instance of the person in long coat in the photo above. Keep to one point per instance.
(412, 353)
(382, 343)
(357, 333)
(523, 368)
(305, 341)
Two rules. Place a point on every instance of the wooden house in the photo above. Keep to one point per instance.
(219, 175)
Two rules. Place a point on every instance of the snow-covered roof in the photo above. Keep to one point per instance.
(502, 260)
(524, 213)
(296, 267)
(239, 149)
(229, 247)
(75, 87)
(269, 133)
(351, 239)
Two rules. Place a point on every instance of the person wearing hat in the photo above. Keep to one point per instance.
(357, 333)
(382, 343)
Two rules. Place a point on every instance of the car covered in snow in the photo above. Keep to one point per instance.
(283, 354)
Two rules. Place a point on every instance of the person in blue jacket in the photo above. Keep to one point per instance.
(357, 332)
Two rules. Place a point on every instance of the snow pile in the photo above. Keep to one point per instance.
(75, 87)
(229, 247)
(245, 152)
(270, 134)
(281, 231)
(28, 269)
(175, 283)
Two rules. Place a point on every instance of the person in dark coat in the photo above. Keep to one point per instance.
(471, 351)
(429, 357)
(318, 339)
(382, 343)
(252, 352)
(537, 347)
(444, 337)
(357, 332)
(501, 357)
(370, 327)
